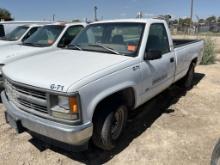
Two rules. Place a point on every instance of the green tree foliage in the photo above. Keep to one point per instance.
(209, 55)
(202, 20)
(185, 22)
(76, 20)
(211, 20)
(5, 14)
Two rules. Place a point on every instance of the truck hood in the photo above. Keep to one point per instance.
(14, 52)
(62, 67)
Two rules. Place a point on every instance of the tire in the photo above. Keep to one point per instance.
(215, 160)
(187, 81)
(108, 126)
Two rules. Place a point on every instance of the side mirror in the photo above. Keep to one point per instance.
(153, 55)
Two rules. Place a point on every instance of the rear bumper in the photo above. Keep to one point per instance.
(72, 135)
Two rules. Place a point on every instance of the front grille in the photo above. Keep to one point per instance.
(26, 99)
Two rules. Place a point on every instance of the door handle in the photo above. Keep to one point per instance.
(172, 60)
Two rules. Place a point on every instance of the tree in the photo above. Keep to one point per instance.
(201, 21)
(218, 19)
(76, 20)
(186, 22)
(5, 15)
(211, 20)
(175, 21)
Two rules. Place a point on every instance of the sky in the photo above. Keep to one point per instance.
(107, 9)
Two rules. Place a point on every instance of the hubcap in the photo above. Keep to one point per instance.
(117, 123)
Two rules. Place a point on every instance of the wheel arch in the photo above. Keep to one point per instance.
(126, 96)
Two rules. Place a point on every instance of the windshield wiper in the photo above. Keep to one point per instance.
(72, 46)
(106, 48)
(6, 39)
(33, 44)
(2, 38)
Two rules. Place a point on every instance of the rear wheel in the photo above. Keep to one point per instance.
(187, 81)
(108, 126)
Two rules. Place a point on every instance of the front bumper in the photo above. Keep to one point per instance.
(72, 135)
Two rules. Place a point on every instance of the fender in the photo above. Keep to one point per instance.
(108, 92)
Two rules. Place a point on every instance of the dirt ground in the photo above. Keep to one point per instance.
(176, 128)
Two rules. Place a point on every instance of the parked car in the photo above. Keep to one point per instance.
(48, 38)
(87, 90)
(18, 35)
(7, 27)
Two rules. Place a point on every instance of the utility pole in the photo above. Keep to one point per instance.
(191, 17)
(53, 17)
(95, 13)
(191, 12)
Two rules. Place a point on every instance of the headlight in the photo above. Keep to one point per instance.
(66, 108)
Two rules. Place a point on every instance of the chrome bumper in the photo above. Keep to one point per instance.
(73, 135)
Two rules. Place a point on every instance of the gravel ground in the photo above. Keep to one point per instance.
(175, 128)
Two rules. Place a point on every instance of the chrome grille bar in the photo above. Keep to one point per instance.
(26, 98)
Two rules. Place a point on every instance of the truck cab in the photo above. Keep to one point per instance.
(86, 91)
(18, 35)
(7, 27)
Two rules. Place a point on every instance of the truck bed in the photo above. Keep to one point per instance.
(183, 42)
(186, 51)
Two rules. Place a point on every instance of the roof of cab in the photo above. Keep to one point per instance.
(32, 25)
(25, 22)
(138, 20)
(69, 23)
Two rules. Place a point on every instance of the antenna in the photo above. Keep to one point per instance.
(95, 13)
(191, 12)
(53, 17)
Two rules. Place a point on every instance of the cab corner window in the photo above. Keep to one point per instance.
(158, 39)
(31, 31)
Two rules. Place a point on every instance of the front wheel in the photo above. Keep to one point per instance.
(108, 126)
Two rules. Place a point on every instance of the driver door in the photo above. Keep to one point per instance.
(157, 74)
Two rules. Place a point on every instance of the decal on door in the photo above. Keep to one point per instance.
(159, 79)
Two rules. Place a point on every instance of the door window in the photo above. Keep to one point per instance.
(158, 39)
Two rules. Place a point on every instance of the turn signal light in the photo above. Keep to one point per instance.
(73, 103)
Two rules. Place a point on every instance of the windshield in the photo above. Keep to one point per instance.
(45, 36)
(16, 34)
(116, 38)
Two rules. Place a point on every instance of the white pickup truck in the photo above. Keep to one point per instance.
(19, 34)
(86, 91)
(7, 27)
(48, 38)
